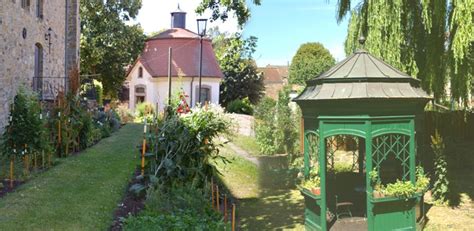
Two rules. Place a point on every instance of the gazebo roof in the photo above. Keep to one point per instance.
(362, 76)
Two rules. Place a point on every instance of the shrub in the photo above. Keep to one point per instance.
(177, 208)
(25, 133)
(276, 125)
(240, 106)
(265, 126)
(184, 145)
(286, 136)
(144, 111)
(125, 115)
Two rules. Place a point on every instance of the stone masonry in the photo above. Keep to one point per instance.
(21, 29)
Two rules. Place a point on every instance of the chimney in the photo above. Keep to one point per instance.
(178, 19)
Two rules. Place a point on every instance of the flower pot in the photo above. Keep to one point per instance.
(378, 194)
(316, 191)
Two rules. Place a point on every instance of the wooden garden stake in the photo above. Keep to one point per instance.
(42, 158)
(59, 130)
(233, 217)
(35, 161)
(12, 160)
(27, 161)
(212, 192)
(217, 197)
(66, 150)
(225, 207)
(143, 150)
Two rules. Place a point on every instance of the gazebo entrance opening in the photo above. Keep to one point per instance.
(345, 182)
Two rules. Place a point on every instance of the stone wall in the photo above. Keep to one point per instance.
(243, 124)
(20, 30)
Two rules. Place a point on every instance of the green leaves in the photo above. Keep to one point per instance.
(184, 146)
(221, 9)
(26, 132)
(441, 185)
(428, 39)
(107, 43)
(241, 77)
(401, 189)
(310, 60)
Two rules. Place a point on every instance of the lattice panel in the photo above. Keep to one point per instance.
(337, 143)
(392, 144)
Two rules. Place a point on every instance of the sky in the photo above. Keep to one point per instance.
(281, 26)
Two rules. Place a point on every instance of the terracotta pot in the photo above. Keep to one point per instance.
(378, 194)
(316, 191)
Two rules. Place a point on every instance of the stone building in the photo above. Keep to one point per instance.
(39, 44)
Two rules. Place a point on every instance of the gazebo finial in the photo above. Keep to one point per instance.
(362, 40)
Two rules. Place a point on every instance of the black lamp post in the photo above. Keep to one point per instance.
(201, 26)
(47, 37)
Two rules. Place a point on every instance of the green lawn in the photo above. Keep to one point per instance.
(247, 143)
(267, 197)
(81, 193)
(240, 176)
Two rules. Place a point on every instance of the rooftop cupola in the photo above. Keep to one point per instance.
(178, 19)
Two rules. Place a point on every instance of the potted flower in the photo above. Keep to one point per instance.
(379, 190)
(313, 185)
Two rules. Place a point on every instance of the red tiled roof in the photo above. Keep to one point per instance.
(185, 55)
(274, 74)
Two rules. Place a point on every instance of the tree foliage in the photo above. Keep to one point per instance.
(221, 9)
(310, 60)
(108, 44)
(241, 77)
(430, 39)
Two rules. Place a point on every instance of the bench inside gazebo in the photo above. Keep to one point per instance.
(363, 109)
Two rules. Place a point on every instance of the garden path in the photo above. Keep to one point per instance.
(239, 151)
(267, 198)
(80, 193)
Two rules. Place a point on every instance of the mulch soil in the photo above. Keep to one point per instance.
(6, 186)
(129, 206)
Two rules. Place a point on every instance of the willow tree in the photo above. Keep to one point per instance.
(430, 39)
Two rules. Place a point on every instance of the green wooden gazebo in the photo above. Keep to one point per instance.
(368, 99)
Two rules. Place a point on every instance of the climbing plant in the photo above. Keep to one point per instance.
(441, 184)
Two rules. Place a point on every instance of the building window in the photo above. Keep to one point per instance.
(140, 90)
(39, 9)
(205, 94)
(25, 4)
(38, 71)
(140, 72)
(140, 94)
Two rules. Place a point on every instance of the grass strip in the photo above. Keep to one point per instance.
(79, 194)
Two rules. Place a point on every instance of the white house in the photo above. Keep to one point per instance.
(147, 79)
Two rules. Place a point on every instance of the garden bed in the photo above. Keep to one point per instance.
(129, 206)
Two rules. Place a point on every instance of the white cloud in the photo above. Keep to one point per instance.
(155, 15)
(337, 51)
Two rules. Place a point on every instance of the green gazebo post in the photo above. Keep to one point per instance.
(364, 97)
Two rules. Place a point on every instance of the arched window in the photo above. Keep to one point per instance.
(140, 72)
(38, 71)
(39, 9)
